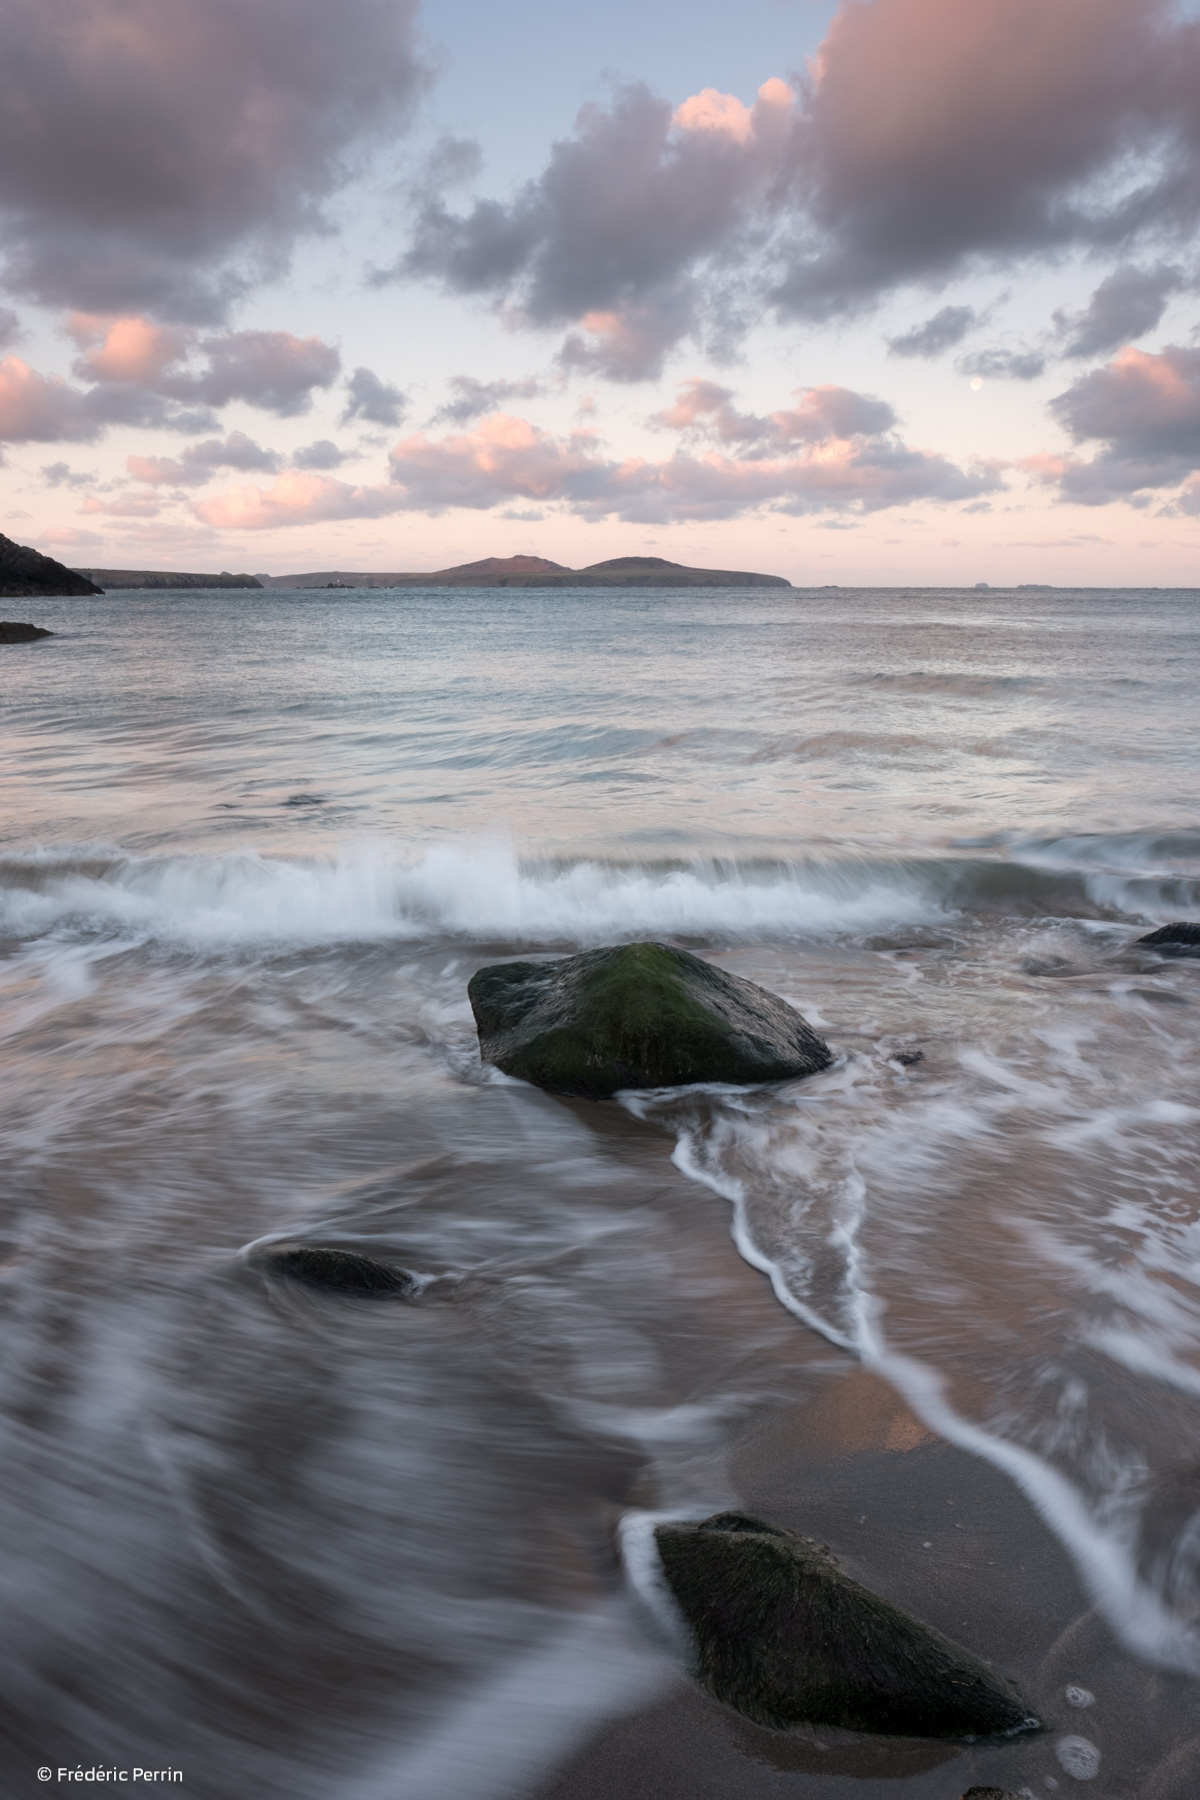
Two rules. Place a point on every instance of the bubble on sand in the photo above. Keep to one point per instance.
(1079, 1757)
(1079, 1696)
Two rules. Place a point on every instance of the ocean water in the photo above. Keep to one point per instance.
(252, 846)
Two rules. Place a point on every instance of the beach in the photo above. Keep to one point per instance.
(937, 1312)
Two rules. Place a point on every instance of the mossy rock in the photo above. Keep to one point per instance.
(338, 1271)
(1182, 938)
(636, 1016)
(784, 1637)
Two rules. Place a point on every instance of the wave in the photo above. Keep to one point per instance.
(487, 893)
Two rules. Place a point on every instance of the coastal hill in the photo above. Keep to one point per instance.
(167, 578)
(25, 572)
(538, 572)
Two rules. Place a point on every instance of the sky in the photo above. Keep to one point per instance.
(879, 292)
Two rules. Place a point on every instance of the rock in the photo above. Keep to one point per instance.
(24, 572)
(637, 1016)
(338, 1271)
(784, 1637)
(12, 633)
(990, 1793)
(908, 1059)
(1179, 939)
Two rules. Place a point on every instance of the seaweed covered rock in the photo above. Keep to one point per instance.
(636, 1016)
(337, 1271)
(1182, 938)
(784, 1637)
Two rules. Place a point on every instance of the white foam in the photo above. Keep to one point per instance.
(478, 891)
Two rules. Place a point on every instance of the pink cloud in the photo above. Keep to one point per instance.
(296, 497)
(130, 348)
(39, 408)
(844, 465)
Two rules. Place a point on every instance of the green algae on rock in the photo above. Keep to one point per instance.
(636, 1016)
(784, 1637)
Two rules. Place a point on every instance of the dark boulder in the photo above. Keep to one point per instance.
(990, 1793)
(1179, 939)
(637, 1016)
(784, 1637)
(337, 1271)
(24, 571)
(12, 633)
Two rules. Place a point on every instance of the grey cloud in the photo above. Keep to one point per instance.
(473, 398)
(625, 212)
(10, 328)
(198, 463)
(998, 364)
(1126, 305)
(821, 415)
(1022, 129)
(323, 454)
(158, 154)
(269, 369)
(373, 400)
(61, 474)
(1144, 410)
(939, 333)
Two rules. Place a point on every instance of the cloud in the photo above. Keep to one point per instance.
(473, 398)
(323, 454)
(929, 139)
(41, 409)
(372, 400)
(295, 498)
(1126, 305)
(144, 375)
(125, 506)
(269, 369)
(833, 451)
(61, 474)
(10, 328)
(159, 154)
(198, 463)
(610, 236)
(999, 364)
(941, 332)
(1144, 409)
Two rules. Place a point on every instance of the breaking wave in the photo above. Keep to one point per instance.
(487, 893)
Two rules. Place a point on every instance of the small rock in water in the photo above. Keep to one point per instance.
(13, 633)
(783, 1636)
(1079, 1757)
(909, 1058)
(1182, 938)
(338, 1271)
(1080, 1696)
(636, 1016)
(990, 1793)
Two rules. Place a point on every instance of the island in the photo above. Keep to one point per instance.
(25, 573)
(537, 572)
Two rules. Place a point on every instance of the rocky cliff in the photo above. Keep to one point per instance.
(27, 572)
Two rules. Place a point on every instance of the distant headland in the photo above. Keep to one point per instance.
(538, 572)
(24, 571)
(167, 578)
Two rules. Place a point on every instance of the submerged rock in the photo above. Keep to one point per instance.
(783, 1636)
(636, 1016)
(338, 1271)
(990, 1793)
(1182, 938)
(12, 633)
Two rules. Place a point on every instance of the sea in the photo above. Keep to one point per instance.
(252, 847)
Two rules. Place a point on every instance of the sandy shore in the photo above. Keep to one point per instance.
(952, 1540)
